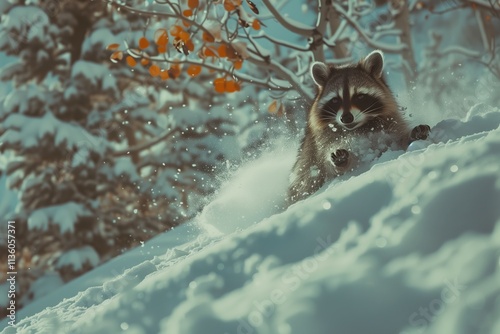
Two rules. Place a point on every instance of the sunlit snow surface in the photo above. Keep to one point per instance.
(410, 246)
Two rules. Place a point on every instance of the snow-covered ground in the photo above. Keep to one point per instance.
(409, 245)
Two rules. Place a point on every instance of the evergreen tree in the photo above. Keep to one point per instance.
(103, 156)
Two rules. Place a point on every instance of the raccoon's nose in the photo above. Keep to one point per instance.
(347, 118)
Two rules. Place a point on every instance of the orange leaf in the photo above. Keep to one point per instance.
(113, 46)
(164, 75)
(190, 45)
(194, 70)
(161, 37)
(207, 37)
(238, 64)
(230, 86)
(187, 13)
(222, 50)
(154, 70)
(208, 52)
(174, 71)
(162, 48)
(273, 107)
(229, 6)
(256, 24)
(144, 61)
(193, 4)
(143, 43)
(185, 23)
(163, 40)
(131, 61)
(281, 110)
(219, 85)
(116, 56)
(231, 52)
(184, 36)
(176, 30)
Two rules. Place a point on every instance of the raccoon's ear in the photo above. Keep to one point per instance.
(374, 63)
(320, 73)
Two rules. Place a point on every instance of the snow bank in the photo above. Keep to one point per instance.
(410, 246)
(254, 192)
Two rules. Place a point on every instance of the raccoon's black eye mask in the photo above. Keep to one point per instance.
(364, 102)
(333, 105)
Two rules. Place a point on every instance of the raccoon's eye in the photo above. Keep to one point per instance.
(333, 105)
(360, 96)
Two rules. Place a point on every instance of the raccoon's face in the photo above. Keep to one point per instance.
(351, 96)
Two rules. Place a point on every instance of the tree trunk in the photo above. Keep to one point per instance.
(339, 50)
(486, 29)
(401, 14)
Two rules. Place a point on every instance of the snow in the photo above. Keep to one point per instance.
(97, 76)
(101, 37)
(25, 24)
(124, 166)
(230, 210)
(33, 129)
(64, 215)
(410, 245)
(76, 258)
(45, 284)
(19, 100)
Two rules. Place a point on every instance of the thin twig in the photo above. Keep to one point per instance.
(306, 32)
(389, 48)
(281, 43)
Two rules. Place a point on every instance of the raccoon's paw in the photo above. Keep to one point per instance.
(420, 132)
(340, 158)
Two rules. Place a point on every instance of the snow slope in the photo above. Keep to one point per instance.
(411, 245)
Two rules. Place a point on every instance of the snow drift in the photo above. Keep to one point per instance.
(412, 245)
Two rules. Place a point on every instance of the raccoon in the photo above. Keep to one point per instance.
(353, 107)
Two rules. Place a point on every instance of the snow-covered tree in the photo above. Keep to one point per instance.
(102, 157)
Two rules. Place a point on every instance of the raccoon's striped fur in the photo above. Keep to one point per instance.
(353, 104)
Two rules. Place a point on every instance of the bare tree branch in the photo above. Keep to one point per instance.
(292, 26)
(137, 148)
(460, 50)
(284, 74)
(486, 4)
(280, 42)
(386, 47)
